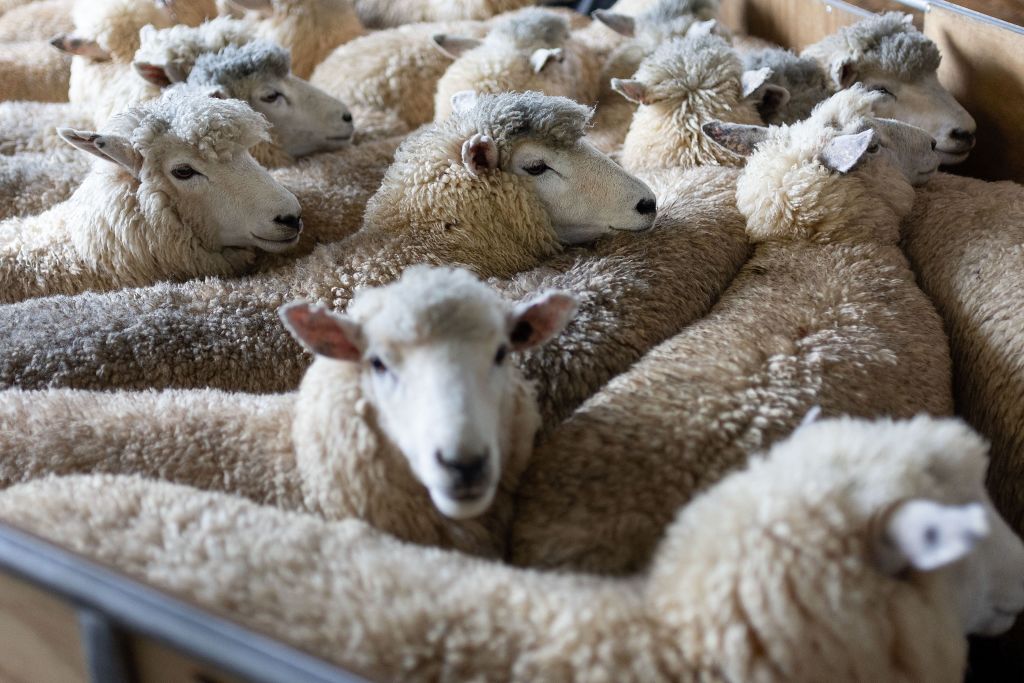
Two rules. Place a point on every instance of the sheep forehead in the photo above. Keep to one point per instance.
(691, 62)
(182, 44)
(884, 42)
(554, 121)
(213, 128)
(430, 305)
(236, 63)
(531, 29)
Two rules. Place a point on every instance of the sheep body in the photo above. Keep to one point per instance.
(33, 70)
(36, 21)
(827, 315)
(770, 576)
(386, 14)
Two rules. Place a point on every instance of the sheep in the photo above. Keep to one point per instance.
(684, 84)
(801, 77)
(528, 50)
(853, 551)
(385, 444)
(387, 14)
(826, 312)
(887, 54)
(36, 21)
(176, 195)
(468, 192)
(32, 70)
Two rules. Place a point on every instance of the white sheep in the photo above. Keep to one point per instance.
(887, 54)
(413, 417)
(853, 552)
(684, 84)
(176, 195)
(527, 50)
(36, 21)
(388, 14)
(826, 312)
(33, 70)
(498, 187)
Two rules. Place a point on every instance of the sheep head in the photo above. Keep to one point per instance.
(888, 55)
(433, 352)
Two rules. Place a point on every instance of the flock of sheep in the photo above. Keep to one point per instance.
(293, 288)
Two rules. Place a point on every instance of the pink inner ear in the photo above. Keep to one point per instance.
(153, 73)
(542, 320)
(320, 331)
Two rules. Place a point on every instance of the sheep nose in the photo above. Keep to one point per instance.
(346, 117)
(290, 221)
(935, 143)
(467, 471)
(961, 135)
(646, 206)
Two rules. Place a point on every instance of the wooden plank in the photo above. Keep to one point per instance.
(791, 23)
(155, 663)
(983, 66)
(38, 636)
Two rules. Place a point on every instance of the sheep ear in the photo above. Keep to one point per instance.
(113, 148)
(634, 91)
(752, 80)
(710, 27)
(538, 319)
(83, 47)
(924, 535)
(770, 99)
(321, 331)
(541, 56)
(738, 138)
(480, 154)
(620, 23)
(844, 74)
(463, 101)
(153, 73)
(842, 152)
(454, 46)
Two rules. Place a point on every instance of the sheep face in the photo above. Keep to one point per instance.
(908, 148)
(434, 352)
(230, 202)
(305, 118)
(585, 193)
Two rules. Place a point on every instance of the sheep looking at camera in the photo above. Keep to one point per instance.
(477, 191)
(378, 428)
(177, 195)
(848, 553)
(528, 50)
(886, 53)
(826, 312)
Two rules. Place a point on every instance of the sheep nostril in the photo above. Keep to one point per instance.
(290, 221)
(961, 135)
(934, 144)
(467, 471)
(346, 117)
(646, 206)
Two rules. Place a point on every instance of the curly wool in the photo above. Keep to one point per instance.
(886, 42)
(238, 62)
(180, 46)
(530, 29)
(803, 77)
(555, 121)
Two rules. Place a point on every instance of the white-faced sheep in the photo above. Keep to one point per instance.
(853, 552)
(527, 50)
(801, 77)
(886, 53)
(176, 195)
(412, 417)
(388, 14)
(470, 191)
(826, 312)
(684, 84)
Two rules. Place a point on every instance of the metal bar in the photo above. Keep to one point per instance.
(977, 16)
(847, 7)
(918, 5)
(106, 659)
(138, 608)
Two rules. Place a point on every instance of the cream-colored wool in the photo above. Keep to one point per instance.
(33, 70)
(771, 576)
(388, 77)
(125, 226)
(36, 21)
(388, 14)
(32, 182)
(505, 61)
(687, 82)
(825, 313)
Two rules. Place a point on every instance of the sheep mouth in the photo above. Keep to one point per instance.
(948, 157)
(286, 241)
(339, 138)
(467, 494)
(644, 229)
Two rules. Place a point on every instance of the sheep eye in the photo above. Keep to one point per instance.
(272, 97)
(499, 357)
(183, 172)
(378, 365)
(873, 148)
(882, 89)
(536, 168)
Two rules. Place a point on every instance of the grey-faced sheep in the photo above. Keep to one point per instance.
(684, 84)
(826, 312)
(801, 77)
(527, 50)
(176, 195)
(413, 417)
(854, 552)
(887, 54)
(476, 191)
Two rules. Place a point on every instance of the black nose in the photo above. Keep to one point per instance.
(961, 135)
(346, 117)
(291, 220)
(646, 206)
(467, 470)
